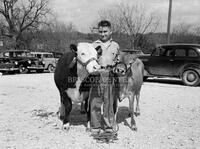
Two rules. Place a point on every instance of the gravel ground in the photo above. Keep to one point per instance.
(170, 117)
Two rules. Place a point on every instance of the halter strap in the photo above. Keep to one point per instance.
(87, 62)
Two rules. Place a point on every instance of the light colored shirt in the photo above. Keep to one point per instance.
(110, 52)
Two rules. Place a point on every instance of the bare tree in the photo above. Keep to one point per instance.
(132, 20)
(58, 26)
(184, 32)
(196, 30)
(182, 28)
(21, 16)
(56, 36)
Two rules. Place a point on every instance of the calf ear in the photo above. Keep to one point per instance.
(73, 48)
(99, 50)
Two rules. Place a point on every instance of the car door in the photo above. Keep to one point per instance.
(49, 60)
(184, 56)
(179, 60)
(160, 63)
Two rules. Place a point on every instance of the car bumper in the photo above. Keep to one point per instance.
(9, 69)
(35, 68)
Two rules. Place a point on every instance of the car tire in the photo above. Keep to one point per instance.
(23, 69)
(51, 68)
(40, 71)
(11, 72)
(145, 78)
(190, 78)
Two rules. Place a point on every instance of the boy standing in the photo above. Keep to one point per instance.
(103, 93)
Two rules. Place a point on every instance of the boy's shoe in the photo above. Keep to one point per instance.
(106, 137)
(109, 130)
(95, 131)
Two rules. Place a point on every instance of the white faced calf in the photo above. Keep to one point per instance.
(70, 71)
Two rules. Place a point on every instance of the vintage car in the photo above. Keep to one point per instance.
(8, 66)
(47, 58)
(174, 60)
(57, 55)
(25, 61)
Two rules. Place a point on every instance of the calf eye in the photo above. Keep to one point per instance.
(82, 53)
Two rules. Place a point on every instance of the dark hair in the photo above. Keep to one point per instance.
(104, 23)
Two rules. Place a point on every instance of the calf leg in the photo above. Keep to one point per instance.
(87, 109)
(137, 109)
(84, 102)
(66, 107)
(88, 127)
(61, 111)
(83, 107)
(115, 107)
(131, 108)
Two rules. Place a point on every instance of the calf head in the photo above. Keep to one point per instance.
(127, 58)
(86, 56)
(120, 69)
(123, 69)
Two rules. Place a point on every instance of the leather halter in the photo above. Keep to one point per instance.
(87, 62)
(127, 68)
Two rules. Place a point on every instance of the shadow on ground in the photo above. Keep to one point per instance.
(81, 119)
(123, 114)
(165, 81)
(76, 118)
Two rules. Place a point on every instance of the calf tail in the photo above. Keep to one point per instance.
(66, 107)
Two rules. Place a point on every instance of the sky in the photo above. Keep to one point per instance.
(83, 13)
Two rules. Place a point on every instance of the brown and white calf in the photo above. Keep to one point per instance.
(72, 68)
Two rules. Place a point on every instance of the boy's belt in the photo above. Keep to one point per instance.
(108, 67)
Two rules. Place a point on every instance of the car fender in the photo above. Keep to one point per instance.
(23, 62)
(191, 66)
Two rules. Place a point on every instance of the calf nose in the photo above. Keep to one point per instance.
(117, 70)
(96, 67)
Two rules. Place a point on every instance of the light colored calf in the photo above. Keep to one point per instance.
(131, 82)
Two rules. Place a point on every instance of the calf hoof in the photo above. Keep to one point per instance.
(137, 113)
(115, 128)
(88, 129)
(66, 126)
(133, 128)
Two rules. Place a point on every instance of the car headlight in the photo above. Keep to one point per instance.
(16, 63)
(43, 62)
(29, 61)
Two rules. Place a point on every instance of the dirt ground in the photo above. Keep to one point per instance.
(170, 117)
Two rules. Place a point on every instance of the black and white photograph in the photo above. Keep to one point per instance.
(99, 74)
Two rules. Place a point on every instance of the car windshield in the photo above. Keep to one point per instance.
(19, 54)
(28, 54)
(22, 54)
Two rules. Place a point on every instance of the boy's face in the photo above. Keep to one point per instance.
(104, 33)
